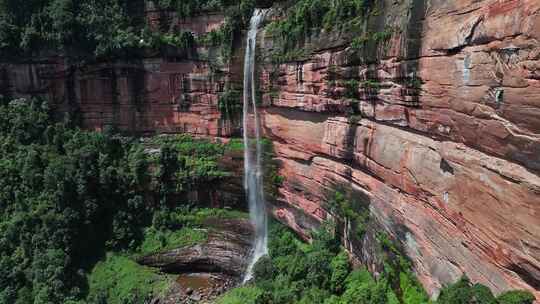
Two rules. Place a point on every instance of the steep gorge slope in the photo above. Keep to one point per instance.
(437, 126)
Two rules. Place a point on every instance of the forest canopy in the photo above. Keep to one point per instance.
(97, 28)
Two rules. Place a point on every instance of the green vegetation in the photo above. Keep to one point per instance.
(99, 27)
(373, 84)
(319, 272)
(222, 38)
(242, 295)
(119, 280)
(360, 42)
(304, 21)
(272, 179)
(184, 41)
(230, 104)
(352, 88)
(516, 297)
(281, 56)
(157, 240)
(237, 13)
(189, 8)
(184, 164)
(307, 17)
(183, 217)
(67, 196)
(464, 292)
(347, 207)
(235, 144)
(398, 272)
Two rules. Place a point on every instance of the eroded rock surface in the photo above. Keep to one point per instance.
(442, 138)
(227, 251)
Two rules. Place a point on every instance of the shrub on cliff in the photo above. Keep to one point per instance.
(516, 297)
(457, 293)
(263, 269)
(340, 269)
(305, 17)
(464, 292)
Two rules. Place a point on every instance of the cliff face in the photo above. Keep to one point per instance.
(440, 134)
(442, 138)
(172, 94)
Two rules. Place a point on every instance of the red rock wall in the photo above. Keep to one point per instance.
(445, 144)
(156, 94)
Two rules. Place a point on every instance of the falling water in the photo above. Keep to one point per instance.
(253, 171)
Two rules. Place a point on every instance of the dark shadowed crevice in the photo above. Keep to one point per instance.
(136, 86)
(408, 70)
(529, 273)
(350, 143)
(446, 167)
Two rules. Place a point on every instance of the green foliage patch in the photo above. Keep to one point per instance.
(156, 240)
(230, 104)
(464, 292)
(242, 295)
(347, 207)
(119, 280)
(307, 17)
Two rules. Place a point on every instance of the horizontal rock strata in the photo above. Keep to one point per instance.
(442, 136)
(227, 251)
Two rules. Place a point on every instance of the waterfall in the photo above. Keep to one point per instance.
(253, 169)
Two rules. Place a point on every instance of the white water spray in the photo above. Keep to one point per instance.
(253, 170)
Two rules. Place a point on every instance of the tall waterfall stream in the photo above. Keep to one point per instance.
(253, 169)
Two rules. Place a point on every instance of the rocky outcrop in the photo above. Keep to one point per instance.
(226, 251)
(205, 288)
(442, 135)
(209, 269)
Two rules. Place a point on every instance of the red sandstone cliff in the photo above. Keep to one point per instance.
(446, 146)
